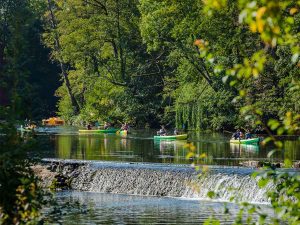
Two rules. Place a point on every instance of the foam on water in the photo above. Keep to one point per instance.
(154, 179)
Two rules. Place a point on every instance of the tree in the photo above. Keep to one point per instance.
(101, 44)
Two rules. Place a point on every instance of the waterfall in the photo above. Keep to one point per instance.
(161, 180)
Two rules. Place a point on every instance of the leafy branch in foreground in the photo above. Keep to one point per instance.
(275, 22)
(21, 197)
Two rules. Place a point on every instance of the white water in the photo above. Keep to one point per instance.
(170, 181)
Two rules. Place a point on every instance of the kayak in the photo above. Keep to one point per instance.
(171, 137)
(245, 141)
(110, 131)
(25, 129)
(122, 132)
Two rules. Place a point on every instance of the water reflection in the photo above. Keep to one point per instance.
(241, 150)
(140, 147)
(95, 208)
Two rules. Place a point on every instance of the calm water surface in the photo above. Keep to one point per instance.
(95, 208)
(139, 146)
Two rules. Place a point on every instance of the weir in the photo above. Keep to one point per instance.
(150, 179)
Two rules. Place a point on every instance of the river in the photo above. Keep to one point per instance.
(136, 180)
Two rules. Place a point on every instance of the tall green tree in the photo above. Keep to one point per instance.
(101, 45)
(199, 97)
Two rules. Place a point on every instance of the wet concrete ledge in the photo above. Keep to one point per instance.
(151, 166)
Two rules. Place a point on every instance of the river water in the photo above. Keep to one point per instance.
(104, 198)
(139, 146)
(97, 208)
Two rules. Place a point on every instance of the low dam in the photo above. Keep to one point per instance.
(151, 179)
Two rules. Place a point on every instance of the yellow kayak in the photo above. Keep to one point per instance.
(112, 130)
(171, 137)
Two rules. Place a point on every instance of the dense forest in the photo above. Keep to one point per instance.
(140, 62)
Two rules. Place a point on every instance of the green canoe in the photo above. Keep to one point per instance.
(110, 131)
(245, 141)
(171, 137)
(122, 132)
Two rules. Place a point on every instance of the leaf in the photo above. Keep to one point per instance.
(225, 78)
(266, 140)
(295, 57)
(271, 153)
(263, 182)
(253, 27)
(242, 93)
(273, 124)
(190, 155)
(232, 83)
(278, 144)
(203, 155)
(255, 72)
(293, 11)
(211, 194)
(280, 130)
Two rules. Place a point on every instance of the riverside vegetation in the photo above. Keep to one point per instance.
(138, 61)
(274, 23)
(215, 64)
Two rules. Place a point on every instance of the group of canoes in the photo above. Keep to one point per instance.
(237, 138)
(124, 130)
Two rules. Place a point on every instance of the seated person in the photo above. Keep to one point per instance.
(89, 126)
(241, 135)
(176, 131)
(236, 135)
(162, 131)
(125, 127)
(106, 125)
(248, 135)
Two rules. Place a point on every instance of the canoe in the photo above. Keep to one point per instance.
(111, 131)
(245, 141)
(171, 137)
(122, 132)
(25, 129)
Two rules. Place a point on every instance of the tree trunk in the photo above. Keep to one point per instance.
(64, 73)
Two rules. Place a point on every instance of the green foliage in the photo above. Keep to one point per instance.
(111, 75)
(263, 69)
(149, 53)
(21, 197)
(24, 64)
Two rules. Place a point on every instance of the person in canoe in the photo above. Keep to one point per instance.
(106, 125)
(125, 126)
(248, 135)
(236, 135)
(89, 126)
(162, 131)
(176, 131)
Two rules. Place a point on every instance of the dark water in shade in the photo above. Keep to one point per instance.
(139, 146)
(95, 208)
